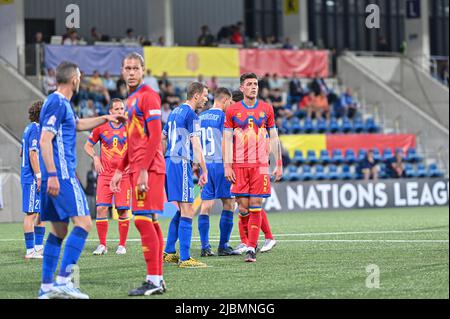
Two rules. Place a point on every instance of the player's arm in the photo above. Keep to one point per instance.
(164, 142)
(34, 160)
(199, 159)
(90, 151)
(47, 156)
(227, 148)
(275, 145)
(91, 123)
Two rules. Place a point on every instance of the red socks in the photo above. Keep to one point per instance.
(265, 227)
(124, 226)
(102, 229)
(161, 246)
(254, 226)
(151, 246)
(243, 228)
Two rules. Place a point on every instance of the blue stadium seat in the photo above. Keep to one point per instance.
(347, 173)
(321, 126)
(409, 171)
(298, 158)
(333, 172)
(361, 155)
(377, 155)
(306, 174)
(346, 126)
(383, 171)
(421, 171)
(337, 157)
(358, 125)
(308, 126)
(325, 157)
(350, 157)
(311, 158)
(434, 171)
(388, 155)
(412, 156)
(371, 126)
(295, 127)
(333, 126)
(292, 174)
(320, 173)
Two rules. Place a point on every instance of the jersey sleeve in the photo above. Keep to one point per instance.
(270, 117)
(53, 115)
(193, 124)
(165, 130)
(94, 137)
(228, 123)
(33, 139)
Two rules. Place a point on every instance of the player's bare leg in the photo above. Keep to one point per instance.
(254, 227)
(29, 232)
(124, 226)
(203, 227)
(102, 224)
(244, 216)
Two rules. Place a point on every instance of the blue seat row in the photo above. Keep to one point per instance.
(309, 126)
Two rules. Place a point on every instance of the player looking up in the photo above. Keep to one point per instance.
(181, 140)
(113, 139)
(246, 155)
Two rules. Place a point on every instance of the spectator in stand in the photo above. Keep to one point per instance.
(276, 83)
(396, 168)
(122, 92)
(287, 45)
(120, 82)
(318, 85)
(96, 83)
(278, 103)
(369, 167)
(224, 34)
(307, 104)
(50, 81)
(170, 97)
(321, 108)
(95, 36)
(109, 84)
(39, 38)
(89, 110)
(164, 81)
(161, 42)
(129, 38)
(166, 110)
(206, 39)
(201, 79)
(151, 81)
(347, 106)
(212, 84)
(264, 95)
(98, 92)
(72, 38)
(264, 82)
(295, 90)
(236, 36)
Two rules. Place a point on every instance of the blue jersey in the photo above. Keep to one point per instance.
(182, 124)
(58, 117)
(211, 123)
(30, 142)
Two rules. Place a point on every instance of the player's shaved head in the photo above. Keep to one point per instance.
(35, 110)
(221, 92)
(238, 96)
(65, 72)
(134, 56)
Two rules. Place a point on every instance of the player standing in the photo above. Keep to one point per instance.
(113, 139)
(181, 139)
(147, 168)
(269, 241)
(218, 187)
(62, 197)
(246, 155)
(30, 179)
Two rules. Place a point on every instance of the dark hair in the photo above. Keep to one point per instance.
(238, 96)
(35, 110)
(65, 71)
(134, 56)
(115, 100)
(220, 92)
(195, 88)
(247, 76)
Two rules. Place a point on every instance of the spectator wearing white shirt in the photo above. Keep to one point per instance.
(50, 84)
(151, 81)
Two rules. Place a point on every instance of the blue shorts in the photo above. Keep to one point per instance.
(217, 187)
(70, 202)
(179, 183)
(31, 201)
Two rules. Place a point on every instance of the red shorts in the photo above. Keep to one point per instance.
(105, 196)
(151, 202)
(251, 182)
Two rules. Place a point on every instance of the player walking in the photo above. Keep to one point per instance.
(246, 155)
(217, 187)
(181, 140)
(147, 168)
(62, 198)
(30, 178)
(113, 139)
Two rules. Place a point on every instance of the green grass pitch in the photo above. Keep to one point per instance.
(319, 255)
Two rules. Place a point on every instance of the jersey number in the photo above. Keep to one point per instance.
(208, 135)
(172, 135)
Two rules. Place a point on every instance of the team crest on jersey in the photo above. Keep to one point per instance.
(51, 120)
(239, 115)
(262, 114)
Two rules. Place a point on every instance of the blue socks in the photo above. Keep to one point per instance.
(52, 250)
(72, 251)
(226, 227)
(172, 235)
(185, 235)
(29, 240)
(203, 229)
(39, 235)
